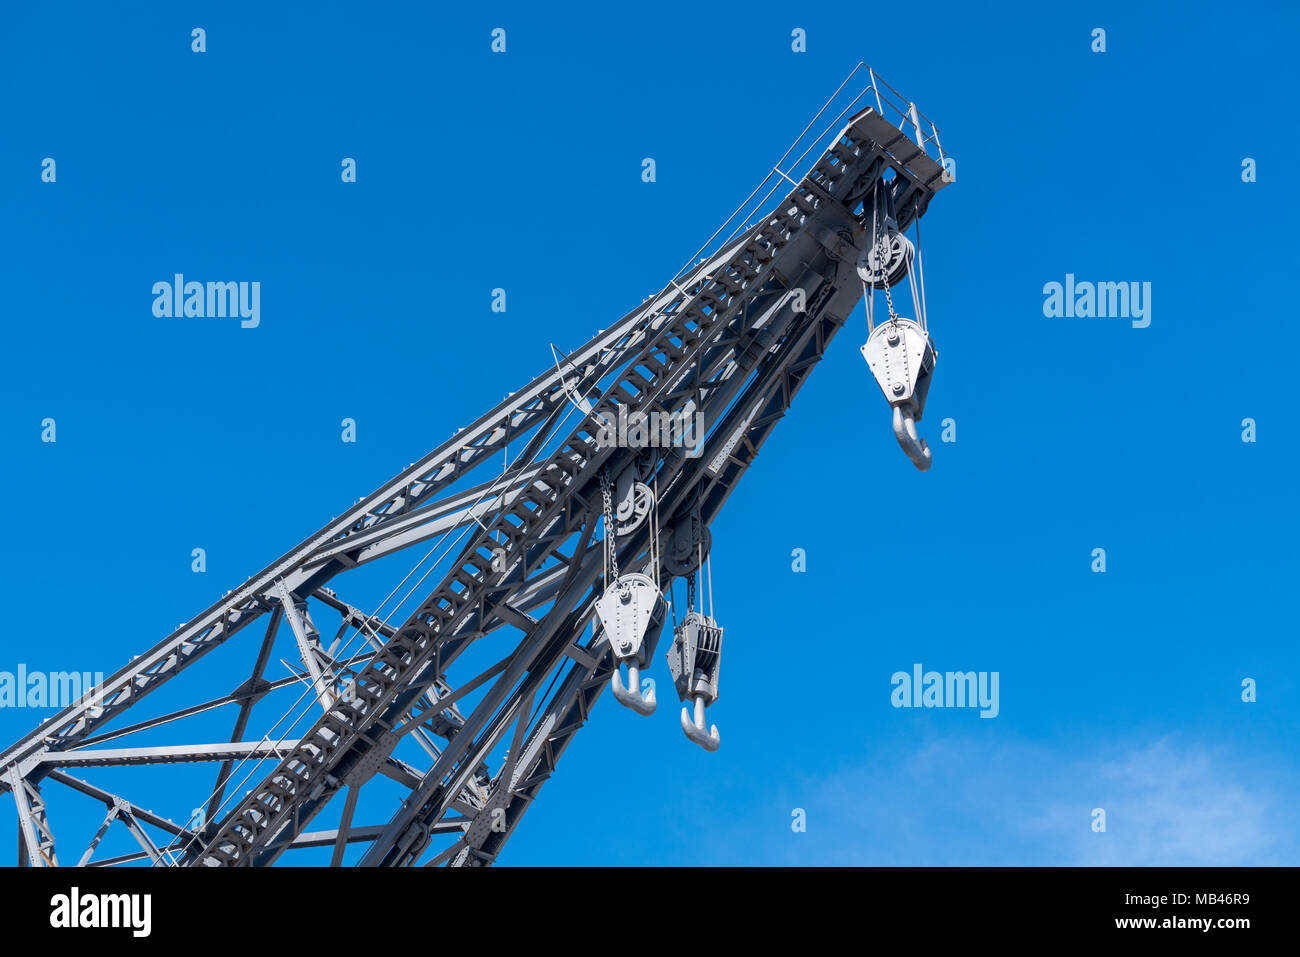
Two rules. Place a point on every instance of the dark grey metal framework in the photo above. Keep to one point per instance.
(467, 703)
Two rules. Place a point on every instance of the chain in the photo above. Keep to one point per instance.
(884, 272)
(690, 592)
(611, 548)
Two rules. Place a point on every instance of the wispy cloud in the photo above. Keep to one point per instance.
(1172, 805)
(971, 801)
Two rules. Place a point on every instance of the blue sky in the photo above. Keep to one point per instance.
(1119, 690)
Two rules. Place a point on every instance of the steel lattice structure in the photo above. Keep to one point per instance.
(467, 703)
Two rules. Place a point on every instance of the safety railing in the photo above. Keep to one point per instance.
(847, 100)
(902, 112)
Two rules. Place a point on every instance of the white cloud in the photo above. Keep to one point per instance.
(970, 801)
(1167, 805)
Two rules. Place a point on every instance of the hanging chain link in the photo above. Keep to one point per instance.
(884, 272)
(611, 549)
(690, 592)
(889, 299)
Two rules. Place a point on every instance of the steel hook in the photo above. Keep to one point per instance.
(695, 729)
(905, 431)
(630, 696)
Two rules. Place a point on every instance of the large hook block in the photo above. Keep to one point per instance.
(632, 612)
(901, 357)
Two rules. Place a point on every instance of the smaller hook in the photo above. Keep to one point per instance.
(695, 729)
(630, 697)
(905, 431)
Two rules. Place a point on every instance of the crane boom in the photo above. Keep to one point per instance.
(467, 699)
